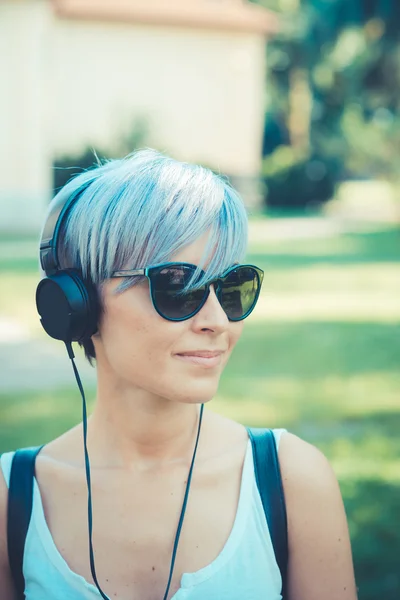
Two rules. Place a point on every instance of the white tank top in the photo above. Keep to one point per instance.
(245, 568)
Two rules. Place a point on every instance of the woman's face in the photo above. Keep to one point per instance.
(139, 349)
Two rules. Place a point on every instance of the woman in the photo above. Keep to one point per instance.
(155, 367)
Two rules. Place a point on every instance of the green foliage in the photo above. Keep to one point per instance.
(349, 51)
(294, 180)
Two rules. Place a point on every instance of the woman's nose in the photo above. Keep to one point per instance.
(212, 315)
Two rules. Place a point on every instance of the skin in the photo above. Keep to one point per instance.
(141, 438)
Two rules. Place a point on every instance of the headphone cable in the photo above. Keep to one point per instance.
(89, 487)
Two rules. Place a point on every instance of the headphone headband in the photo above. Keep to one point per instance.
(49, 240)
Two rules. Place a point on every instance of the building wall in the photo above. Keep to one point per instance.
(201, 91)
(25, 154)
(72, 83)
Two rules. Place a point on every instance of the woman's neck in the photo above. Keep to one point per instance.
(135, 429)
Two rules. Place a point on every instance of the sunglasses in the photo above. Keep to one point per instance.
(237, 290)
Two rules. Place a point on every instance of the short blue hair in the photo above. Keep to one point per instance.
(141, 210)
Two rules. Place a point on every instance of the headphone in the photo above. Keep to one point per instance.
(66, 301)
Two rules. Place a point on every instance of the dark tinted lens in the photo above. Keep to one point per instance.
(240, 292)
(166, 285)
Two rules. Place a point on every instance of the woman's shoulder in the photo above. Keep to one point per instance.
(317, 527)
(312, 491)
(307, 474)
(62, 447)
(60, 463)
(302, 464)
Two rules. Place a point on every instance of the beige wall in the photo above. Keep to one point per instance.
(202, 91)
(70, 83)
(25, 175)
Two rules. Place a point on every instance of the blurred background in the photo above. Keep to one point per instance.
(297, 102)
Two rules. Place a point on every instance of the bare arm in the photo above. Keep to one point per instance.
(320, 557)
(7, 590)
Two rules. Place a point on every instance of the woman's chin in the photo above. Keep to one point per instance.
(201, 397)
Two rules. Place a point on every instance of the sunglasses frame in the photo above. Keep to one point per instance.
(148, 271)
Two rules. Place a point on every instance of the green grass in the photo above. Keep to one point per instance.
(320, 356)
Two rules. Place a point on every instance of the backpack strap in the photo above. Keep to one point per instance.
(20, 495)
(269, 483)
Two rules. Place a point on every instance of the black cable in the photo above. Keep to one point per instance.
(89, 487)
(178, 531)
(87, 468)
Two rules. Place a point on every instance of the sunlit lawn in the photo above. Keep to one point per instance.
(320, 356)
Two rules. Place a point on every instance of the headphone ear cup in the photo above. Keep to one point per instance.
(68, 306)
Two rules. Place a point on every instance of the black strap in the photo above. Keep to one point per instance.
(20, 495)
(269, 483)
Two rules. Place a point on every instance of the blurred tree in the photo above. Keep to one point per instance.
(334, 81)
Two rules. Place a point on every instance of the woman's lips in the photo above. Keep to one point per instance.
(202, 361)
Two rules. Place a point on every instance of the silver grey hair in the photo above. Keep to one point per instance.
(143, 209)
